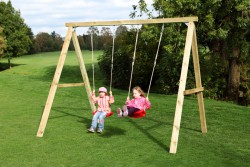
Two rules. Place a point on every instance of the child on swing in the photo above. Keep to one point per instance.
(103, 101)
(139, 102)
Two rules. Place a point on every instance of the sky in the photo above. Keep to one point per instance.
(51, 15)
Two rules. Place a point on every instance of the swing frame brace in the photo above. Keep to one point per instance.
(190, 45)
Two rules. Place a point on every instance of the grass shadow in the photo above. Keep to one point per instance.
(60, 110)
(5, 66)
(157, 124)
(112, 131)
(108, 132)
(146, 132)
(70, 73)
(170, 115)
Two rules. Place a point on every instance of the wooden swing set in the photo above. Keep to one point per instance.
(191, 44)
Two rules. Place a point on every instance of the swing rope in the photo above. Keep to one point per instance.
(93, 66)
(112, 60)
(137, 32)
(156, 56)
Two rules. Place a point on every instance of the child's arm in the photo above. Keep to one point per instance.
(147, 104)
(127, 101)
(93, 97)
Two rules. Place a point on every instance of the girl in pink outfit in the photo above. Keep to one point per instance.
(103, 101)
(139, 102)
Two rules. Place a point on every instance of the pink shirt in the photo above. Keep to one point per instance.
(141, 103)
(103, 102)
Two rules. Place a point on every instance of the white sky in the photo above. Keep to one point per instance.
(51, 15)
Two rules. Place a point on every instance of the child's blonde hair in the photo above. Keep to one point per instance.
(138, 88)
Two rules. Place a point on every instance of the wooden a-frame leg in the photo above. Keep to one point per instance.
(182, 86)
(54, 84)
(83, 69)
(198, 83)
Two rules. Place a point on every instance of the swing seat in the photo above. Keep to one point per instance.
(107, 115)
(138, 114)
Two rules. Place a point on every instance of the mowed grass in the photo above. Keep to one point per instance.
(125, 142)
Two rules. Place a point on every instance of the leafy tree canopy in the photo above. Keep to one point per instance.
(223, 40)
(17, 33)
(2, 42)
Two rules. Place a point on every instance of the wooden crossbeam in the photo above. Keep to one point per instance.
(192, 91)
(132, 22)
(69, 85)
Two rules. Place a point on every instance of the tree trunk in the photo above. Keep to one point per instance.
(9, 63)
(234, 76)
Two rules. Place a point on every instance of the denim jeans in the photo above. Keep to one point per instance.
(98, 115)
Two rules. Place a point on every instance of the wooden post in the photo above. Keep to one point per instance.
(198, 83)
(54, 83)
(182, 85)
(83, 69)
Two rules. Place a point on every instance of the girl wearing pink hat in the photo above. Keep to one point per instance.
(139, 102)
(103, 101)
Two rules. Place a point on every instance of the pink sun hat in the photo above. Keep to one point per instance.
(102, 89)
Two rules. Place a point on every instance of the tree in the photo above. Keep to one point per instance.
(86, 40)
(222, 36)
(15, 31)
(121, 29)
(57, 41)
(2, 42)
(32, 46)
(106, 36)
(121, 62)
(82, 43)
(123, 56)
(95, 34)
(44, 42)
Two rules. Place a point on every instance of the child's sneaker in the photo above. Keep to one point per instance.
(119, 112)
(92, 130)
(125, 111)
(99, 131)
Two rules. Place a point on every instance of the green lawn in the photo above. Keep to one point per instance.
(125, 142)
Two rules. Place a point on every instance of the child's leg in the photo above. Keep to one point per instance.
(119, 112)
(95, 119)
(101, 120)
(125, 110)
(132, 110)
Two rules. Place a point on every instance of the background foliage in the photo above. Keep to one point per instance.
(223, 41)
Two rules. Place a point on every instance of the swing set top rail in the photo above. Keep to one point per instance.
(132, 22)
